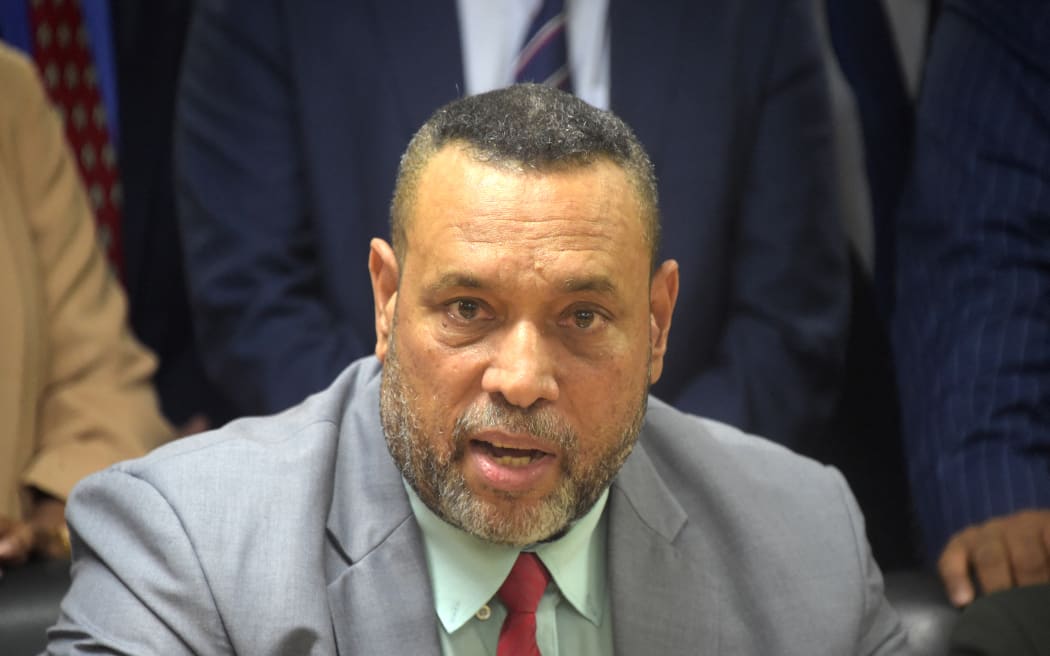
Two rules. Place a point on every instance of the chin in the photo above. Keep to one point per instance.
(508, 519)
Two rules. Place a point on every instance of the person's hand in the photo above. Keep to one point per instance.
(1002, 553)
(198, 423)
(45, 533)
(16, 541)
(51, 537)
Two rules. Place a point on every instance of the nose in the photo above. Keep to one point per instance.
(522, 368)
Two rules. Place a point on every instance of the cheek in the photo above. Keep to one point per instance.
(599, 395)
(607, 367)
(457, 369)
(431, 359)
(445, 380)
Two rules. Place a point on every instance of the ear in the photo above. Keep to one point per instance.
(663, 294)
(382, 266)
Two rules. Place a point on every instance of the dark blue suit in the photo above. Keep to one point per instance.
(148, 40)
(292, 117)
(972, 329)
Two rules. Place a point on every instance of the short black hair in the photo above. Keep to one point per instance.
(532, 126)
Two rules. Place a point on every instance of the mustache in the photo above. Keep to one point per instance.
(498, 414)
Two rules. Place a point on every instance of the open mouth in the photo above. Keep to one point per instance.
(515, 464)
(508, 456)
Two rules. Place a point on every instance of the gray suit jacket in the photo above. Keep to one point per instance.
(292, 534)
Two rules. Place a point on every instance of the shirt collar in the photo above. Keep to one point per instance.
(466, 571)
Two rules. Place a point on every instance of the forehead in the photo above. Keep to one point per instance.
(541, 216)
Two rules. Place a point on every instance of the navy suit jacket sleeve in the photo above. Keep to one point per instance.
(267, 335)
(972, 325)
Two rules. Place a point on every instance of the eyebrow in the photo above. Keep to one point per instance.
(598, 284)
(454, 279)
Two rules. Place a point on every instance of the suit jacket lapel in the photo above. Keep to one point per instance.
(376, 613)
(379, 590)
(663, 599)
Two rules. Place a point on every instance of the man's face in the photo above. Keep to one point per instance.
(520, 343)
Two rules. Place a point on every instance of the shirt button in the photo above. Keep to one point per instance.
(483, 613)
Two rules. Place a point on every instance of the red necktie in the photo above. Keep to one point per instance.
(521, 594)
(63, 55)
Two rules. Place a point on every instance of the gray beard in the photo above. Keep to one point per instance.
(439, 483)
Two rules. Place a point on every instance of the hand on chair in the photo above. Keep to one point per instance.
(1004, 552)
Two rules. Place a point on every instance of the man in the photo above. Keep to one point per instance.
(520, 318)
(292, 115)
(972, 333)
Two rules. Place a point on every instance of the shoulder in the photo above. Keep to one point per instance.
(778, 535)
(748, 491)
(683, 446)
(215, 519)
(291, 452)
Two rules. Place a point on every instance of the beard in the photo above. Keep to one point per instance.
(429, 458)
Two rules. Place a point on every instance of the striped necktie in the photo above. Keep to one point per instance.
(544, 57)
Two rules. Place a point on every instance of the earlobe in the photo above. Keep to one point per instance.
(663, 295)
(383, 269)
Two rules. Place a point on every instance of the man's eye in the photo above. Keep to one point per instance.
(583, 318)
(465, 309)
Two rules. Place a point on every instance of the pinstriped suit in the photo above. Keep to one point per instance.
(972, 329)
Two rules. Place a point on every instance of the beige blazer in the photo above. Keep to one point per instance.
(75, 392)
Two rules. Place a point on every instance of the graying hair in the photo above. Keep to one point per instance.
(527, 126)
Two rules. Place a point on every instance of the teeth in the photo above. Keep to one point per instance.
(511, 461)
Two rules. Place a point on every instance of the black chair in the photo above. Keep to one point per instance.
(29, 599)
(924, 610)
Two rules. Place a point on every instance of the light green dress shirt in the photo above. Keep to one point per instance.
(574, 616)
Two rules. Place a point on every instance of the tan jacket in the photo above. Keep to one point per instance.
(75, 393)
